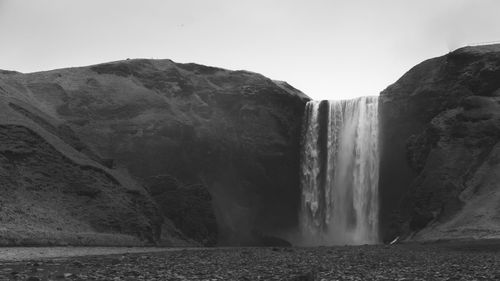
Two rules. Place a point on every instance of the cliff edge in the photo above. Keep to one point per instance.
(151, 151)
(440, 161)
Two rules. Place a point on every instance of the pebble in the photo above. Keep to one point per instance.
(400, 262)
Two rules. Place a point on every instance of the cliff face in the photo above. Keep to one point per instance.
(205, 151)
(440, 152)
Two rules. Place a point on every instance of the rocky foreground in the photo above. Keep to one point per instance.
(448, 261)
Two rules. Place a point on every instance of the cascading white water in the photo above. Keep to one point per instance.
(339, 172)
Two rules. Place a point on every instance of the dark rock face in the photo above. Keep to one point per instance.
(179, 202)
(43, 190)
(440, 132)
(217, 150)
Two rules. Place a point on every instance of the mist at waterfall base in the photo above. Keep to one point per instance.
(339, 173)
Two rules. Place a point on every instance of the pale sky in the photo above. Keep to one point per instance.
(329, 49)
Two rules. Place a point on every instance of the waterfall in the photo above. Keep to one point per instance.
(339, 172)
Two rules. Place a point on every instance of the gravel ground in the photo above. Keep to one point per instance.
(449, 261)
(32, 253)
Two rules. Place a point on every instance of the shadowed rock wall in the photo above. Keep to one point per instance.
(440, 129)
(216, 150)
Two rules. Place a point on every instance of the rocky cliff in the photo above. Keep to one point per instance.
(440, 162)
(147, 151)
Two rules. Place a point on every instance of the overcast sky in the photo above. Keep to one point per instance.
(329, 49)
